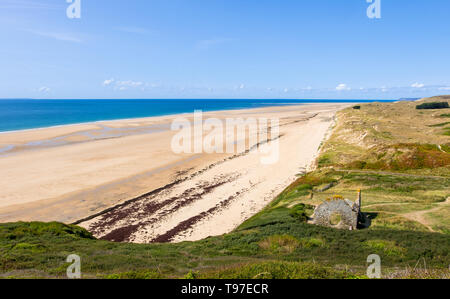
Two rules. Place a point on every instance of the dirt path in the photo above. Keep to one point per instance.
(419, 216)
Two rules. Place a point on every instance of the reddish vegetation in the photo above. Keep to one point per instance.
(402, 157)
(189, 223)
(120, 234)
(150, 211)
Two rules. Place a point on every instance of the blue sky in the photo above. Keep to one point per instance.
(304, 49)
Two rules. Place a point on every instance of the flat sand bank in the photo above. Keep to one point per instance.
(72, 172)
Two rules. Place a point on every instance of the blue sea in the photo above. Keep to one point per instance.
(20, 114)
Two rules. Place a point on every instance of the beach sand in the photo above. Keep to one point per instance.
(127, 184)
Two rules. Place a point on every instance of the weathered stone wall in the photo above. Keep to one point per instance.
(342, 209)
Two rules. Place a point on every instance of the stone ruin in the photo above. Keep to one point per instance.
(339, 213)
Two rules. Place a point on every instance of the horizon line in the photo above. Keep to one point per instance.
(263, 99)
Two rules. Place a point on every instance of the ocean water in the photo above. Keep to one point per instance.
(18, 114)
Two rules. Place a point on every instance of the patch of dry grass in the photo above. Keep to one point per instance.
(279, 244)
(388, 136)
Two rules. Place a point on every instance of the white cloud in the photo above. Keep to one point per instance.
(124, 85)
(444, 88)
(44, 89)
(342, 86)
(242, 86)
(58, 36)
(418, 85)
(108, 82)
(129, 83)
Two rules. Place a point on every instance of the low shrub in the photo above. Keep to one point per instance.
(440, 125)
(312, 242)
(278, 270)
(299, 212)
(191, 275)
(19, 230)
(279, 244)
(385, 247)
(433, 105)
(135, 275)
(404, 157)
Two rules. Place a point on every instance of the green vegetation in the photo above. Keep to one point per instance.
(433, 105)
(279, 244)
(302, 212)
(401, 157)
(389, 136)
(286, 242)
(396, 155)
(385, 247)
(136, 275)
(447, 131)
(279, 270)
(440, 125)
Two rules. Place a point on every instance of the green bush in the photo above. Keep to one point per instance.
(299, 212)
(279, 270)
(312, 242)
(433, 105)
(267, 217)
(389, 248)
(324, 161)
(403, 156)
(135, 275)
(440, 125)
(279, 244)
(447, 131)
(18, 230)
(191, 275)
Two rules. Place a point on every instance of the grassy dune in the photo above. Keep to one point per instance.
(398, 156)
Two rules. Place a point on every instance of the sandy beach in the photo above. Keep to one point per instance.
(121, 180)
